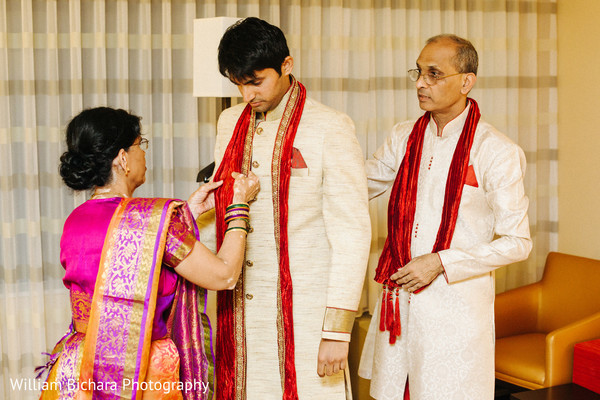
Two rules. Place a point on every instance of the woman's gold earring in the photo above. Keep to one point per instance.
(127, 172)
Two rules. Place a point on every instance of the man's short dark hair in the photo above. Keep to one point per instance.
(251, 45)
(466, 59)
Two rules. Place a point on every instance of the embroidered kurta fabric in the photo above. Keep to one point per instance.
(447, 342)
(328, 236)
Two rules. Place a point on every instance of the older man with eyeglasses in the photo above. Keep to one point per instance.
(457, 211)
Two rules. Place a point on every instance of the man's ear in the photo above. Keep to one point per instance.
(469, 80)
(287, 65)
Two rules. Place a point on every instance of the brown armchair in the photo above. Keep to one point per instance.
(537, 325)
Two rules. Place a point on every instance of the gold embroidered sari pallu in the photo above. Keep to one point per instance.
(115, 358)
(231, 347)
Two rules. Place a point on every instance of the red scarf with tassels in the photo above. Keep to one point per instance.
(401, 213)
(231, 345)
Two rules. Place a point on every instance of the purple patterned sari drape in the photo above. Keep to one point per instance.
(110, 359)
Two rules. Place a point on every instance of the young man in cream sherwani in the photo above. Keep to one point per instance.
(457, 184)
(283, 332)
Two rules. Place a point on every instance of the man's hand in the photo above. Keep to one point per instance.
(419, 272)
(333, 357)
(203, 199)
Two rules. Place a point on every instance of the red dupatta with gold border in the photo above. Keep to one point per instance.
(119, 332)
(231, 347)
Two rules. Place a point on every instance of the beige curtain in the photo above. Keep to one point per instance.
(57, 57)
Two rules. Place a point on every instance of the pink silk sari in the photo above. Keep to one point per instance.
(143, 334)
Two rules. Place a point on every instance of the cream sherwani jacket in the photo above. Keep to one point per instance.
(447, 343)
(329, 239)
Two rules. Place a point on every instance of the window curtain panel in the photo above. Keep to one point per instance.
(58, 57)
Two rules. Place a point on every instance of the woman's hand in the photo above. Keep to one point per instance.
(203, 199)
(245, 188)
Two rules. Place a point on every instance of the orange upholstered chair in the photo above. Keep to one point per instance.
(538, 325)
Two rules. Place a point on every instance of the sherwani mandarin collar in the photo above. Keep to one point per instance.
(277, 112)
(452, 128)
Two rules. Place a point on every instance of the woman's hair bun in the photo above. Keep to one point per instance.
(94, 138)
(84, 171)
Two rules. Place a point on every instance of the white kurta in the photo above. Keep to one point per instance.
(329, 235)
(447, 343)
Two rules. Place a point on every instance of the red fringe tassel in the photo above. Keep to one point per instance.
(397, 325)
(389, 318)
(382, 314)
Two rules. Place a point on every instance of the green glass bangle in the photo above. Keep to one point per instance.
(236, 227)
(244, 205)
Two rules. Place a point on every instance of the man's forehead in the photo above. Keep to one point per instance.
(253, 76)
(427, 65)
(435, 54)
(242, 79)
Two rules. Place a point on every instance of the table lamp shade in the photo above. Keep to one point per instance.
(208, 81)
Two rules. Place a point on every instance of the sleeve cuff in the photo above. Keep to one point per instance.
(180, 252)
(342, 337)
(337, 324)
(444, 268)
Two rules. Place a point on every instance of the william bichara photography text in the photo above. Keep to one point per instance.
(70, 385)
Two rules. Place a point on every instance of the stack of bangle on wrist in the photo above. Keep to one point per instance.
(234, 212)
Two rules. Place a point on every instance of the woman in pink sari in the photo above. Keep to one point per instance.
(136, 272)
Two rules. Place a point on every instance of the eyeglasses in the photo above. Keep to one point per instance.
(430, 78)
(143, 144)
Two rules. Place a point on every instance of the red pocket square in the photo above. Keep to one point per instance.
(471, 179)
(297, 159)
